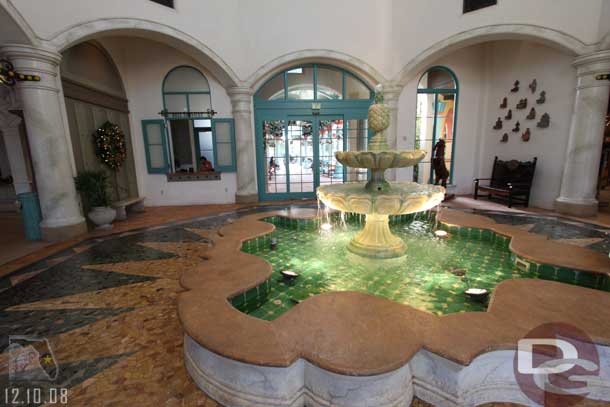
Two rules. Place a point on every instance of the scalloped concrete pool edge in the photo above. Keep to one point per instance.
(354, 349)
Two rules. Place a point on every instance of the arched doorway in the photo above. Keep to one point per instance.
(436, 116)
(303, 115)
(94, 94)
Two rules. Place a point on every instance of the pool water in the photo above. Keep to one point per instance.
(426, 278)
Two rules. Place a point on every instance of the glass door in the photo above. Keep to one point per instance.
(274, 158)
(298, 153)
(301, 159)
(331, 138)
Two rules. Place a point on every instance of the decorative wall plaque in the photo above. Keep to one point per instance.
(545, 121)
(532, 114)
(498, 125)
(542, 98)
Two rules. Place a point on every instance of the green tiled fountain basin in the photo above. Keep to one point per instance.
(422, 278)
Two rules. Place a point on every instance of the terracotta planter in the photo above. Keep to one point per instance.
(102, 216)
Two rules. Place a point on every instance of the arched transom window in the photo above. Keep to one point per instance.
(314, 82)
(186, 90)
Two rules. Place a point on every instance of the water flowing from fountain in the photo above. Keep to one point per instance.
(379, 199)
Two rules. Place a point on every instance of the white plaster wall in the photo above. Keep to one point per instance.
(486, 73)
(524, 61)
(143, 64)
(386, 34)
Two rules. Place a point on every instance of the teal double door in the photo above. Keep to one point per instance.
(296, 152)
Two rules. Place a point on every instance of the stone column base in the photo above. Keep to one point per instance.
(57, 234)
(577, 208)
(243, 199)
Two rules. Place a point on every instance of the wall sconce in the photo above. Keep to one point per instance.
(603, 77)
(9, 77)
(315, 108)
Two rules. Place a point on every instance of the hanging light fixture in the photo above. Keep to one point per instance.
(9, 77)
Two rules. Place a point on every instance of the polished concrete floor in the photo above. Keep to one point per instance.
(105, 304)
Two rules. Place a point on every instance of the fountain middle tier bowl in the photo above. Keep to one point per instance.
(401, 198)
(380, 160)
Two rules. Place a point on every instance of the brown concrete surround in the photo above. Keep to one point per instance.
(359, 334)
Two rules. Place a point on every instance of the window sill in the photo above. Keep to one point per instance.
(194, 176)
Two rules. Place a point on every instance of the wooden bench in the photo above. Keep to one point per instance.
(134, 204)
(510, 181)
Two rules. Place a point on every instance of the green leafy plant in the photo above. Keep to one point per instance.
(93, 187)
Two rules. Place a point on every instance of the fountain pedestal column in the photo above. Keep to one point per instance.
(376, 239)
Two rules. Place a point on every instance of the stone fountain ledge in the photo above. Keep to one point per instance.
(533, 247)
(353, 349)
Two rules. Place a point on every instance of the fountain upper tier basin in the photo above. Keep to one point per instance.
(401, 199)
(380, 160)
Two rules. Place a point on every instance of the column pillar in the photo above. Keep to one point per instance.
(10, 125)
(241, 100)
(580, 173)
(47, 135)
(391, 94)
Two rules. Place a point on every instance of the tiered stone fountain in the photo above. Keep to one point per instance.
(379, 199)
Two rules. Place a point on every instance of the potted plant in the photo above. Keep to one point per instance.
(93, 187)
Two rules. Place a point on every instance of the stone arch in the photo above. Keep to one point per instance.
(13, 27)
(604, 44)
(341, 60)
(546, 36)
(149, 30)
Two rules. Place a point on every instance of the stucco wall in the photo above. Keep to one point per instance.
(524, 61)
(143, 64)
(486, 73)
(386, 34)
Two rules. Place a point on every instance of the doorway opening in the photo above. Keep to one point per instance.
(303, 116)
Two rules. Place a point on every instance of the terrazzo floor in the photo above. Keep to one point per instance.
(105, 310)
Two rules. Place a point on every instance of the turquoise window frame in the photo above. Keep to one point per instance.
(233, 166)
(436, 91)
(186, 94)
(315, 85)
(163, 130)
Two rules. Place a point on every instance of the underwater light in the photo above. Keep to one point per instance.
(477, 294)
(441, 234)
(289, 274)
(326, 227)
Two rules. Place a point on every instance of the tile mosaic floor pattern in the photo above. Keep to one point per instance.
(108, 310)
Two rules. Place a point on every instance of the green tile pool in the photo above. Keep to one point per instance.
(422, 278)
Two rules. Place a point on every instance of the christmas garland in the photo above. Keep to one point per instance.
(110, 145)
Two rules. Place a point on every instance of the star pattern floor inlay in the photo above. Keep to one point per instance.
(108, 309)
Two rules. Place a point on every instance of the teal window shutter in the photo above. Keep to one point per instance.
(223, 131)
(155, 145)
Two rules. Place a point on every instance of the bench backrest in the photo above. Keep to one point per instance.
(513, 171)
